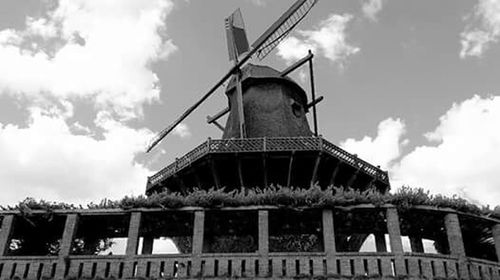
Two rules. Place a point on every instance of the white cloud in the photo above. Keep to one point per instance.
(259, 3)
(384, 148)
(98, 50)
(462, 156)
(327, 39)
(465, 157)
(182, 130)
(45, 160)
(371, 8)
(479, 35)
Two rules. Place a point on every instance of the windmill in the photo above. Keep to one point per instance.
(259, 49)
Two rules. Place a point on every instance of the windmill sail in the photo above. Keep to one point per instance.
(282, 27)
(237, 42)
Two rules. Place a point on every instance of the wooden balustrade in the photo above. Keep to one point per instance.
(279, 265)
(261, 263)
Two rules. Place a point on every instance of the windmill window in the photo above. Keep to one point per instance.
(296, 109)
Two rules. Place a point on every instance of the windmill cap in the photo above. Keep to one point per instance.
(255, 74)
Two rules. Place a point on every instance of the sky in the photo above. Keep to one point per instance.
(411, 86)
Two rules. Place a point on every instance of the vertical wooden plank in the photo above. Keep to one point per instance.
(223, 267)
(455, 242)
(304, 267)
(345, 267)
(249, 268)
(427, 269)
(236, 267)
(386, 266)
(263, 243)
(359, 268)
(154, 270)
(278, 267)
(329, 240)
(70, 228)
(496, 238)
(101, 269)
(451, 269)
(6, 233)
(141, 268)
(395, 239)
(209, 267)
(169, 268)
(439, 268)
(290, 267)
(318, 267)
(133, 233)
(314, 174)
(198, 233)
(413, 269)
(373, 266)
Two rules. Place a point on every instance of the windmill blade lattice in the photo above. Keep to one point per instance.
(282, 27)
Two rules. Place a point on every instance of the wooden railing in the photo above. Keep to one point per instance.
(260, 264)
(250, 145)
(276, 265)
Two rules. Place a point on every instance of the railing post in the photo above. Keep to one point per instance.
(394, 231)
(198, 233)
(70, 228)
(496, 238)
(264, 148)
(263, 243)
(132, 243)
(208, 144)
(5, 233)
(133, 233)
(329, 241)
(456, 243)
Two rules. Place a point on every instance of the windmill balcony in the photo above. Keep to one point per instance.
(250, 242)
(260, 162)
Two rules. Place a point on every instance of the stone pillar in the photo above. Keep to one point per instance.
(70, 228)
(496, 237)
(133, 233)
(380, 243)
(198, 233)
(456, 243)
(395, 239)
(263, 243)
(329, 241)
(5, 233)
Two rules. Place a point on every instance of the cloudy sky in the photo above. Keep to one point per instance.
(412, 86)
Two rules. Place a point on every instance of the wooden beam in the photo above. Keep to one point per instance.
(218, 115)
(353, 178)
(240, 172)
(297, 64)
(290, 167)
(315, 170)
(214, 173)
(197, 178)
(335, 172)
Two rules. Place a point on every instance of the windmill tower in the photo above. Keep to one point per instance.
(266, 139)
